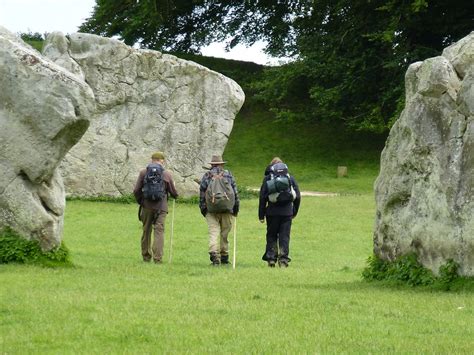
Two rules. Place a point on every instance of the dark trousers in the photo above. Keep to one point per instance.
(278, 238)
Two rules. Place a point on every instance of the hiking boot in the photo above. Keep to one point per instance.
(215, 259)
(271, 263)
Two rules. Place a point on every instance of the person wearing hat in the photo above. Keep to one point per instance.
(153, 212)
(217, 210)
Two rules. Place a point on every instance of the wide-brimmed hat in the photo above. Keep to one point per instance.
(217, 159)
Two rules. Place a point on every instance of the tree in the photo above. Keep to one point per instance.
(187, 25)
(353, 56)
(350, 55)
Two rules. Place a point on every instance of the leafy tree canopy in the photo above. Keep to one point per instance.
(350, 55)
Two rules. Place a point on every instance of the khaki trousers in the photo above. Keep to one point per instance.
(219, 226)
(155, 220)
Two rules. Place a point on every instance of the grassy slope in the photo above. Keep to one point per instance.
(114, 303)
(312, 150)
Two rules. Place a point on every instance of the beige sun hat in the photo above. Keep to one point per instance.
(217, 159)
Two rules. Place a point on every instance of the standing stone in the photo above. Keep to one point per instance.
(146, 101)
(44, 111)
(424, 192)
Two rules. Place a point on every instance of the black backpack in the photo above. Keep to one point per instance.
(280, 189)
(153, 184)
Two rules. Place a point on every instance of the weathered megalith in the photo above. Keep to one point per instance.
(44, 111)
(424, 192)
(146, 101)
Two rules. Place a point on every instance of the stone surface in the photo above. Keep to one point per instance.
(44, 111)
(424, 193)
(146, 101)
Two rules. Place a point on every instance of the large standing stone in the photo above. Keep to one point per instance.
(44, 111)
(424, 192)
(146, 101)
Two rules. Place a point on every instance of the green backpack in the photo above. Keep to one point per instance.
(280, 189)
(220, 196)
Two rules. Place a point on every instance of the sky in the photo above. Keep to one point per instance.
(67, 15)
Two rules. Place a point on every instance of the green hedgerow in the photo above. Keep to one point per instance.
(244, 194)
(112, 199)
(15, 249)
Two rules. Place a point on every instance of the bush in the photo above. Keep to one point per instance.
(405, 269)
(16, 249)
(448, 274)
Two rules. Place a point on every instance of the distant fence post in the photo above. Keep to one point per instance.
(341, 171)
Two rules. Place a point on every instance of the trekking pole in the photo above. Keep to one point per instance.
(172, 231)
(235, 242)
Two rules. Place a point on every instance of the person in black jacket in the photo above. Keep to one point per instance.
(279, 209)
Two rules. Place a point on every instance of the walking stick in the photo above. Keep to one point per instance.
(172, 231)
(235, 242)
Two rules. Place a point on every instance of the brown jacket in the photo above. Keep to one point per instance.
(155, 205)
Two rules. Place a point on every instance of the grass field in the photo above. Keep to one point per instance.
(112, 302)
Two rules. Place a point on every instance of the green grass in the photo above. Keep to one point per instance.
(312, 151)
(111, 302)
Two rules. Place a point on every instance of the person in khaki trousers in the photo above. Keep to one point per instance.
(219, 224)
(153, 213)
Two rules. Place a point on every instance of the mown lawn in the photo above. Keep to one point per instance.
(112, 302)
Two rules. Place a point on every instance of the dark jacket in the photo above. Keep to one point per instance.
(268, 170)
(267, 208)
(155, 205)
(205, 183)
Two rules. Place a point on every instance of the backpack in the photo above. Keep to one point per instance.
(220, 196)
(280, 189)
(153, 184)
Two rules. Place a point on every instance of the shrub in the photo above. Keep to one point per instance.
(405, 269)
(448, 274)
(16, 249)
